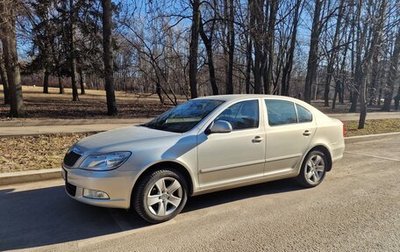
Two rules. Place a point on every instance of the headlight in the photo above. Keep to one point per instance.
(104, 162)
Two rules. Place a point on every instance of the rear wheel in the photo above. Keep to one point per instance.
(160, 196)
(313, 170)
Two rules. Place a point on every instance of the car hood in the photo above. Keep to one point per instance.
(122, 139)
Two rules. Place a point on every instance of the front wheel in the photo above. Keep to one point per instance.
(160, 196)
(313, 169)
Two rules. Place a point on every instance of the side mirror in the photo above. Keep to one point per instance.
(219, 126)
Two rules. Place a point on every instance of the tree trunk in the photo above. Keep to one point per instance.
(337, 87)
(287, 69)
(108, 57)
(375, 77)
(312, 64)
(256, 22)
(208, 45)
(72, 54)
(4, 81)
(370, 54)
(82, 81)
(356, 57)
(269, 46)
(397, 100)
(249, 61)
(194, 46)
(333, 55)
(60, 84)
(231, 47)
(363, 100)
(46, 81)
(9, 40)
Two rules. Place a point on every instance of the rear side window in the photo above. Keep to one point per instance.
(280, 112)
(242, 115)
(303, 114)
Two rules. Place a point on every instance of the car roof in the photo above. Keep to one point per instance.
(237, 97)
(234, 97)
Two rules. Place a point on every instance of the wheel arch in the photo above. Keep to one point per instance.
(167, 164)
(326, 152)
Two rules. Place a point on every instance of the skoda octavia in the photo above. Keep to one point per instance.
(203, 145)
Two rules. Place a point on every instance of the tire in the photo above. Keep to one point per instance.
(160, 196)
(313, 169)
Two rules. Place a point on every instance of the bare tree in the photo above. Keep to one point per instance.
(393, 74)
(9, 42)
(230, 19)
(256, 31)
(312, 64)
(194, 47)
(332, 57)
(108, 57)
(372, 46)
(4, 80)
(269, 41)
(72, 53)
(288, 65)
(208, 44)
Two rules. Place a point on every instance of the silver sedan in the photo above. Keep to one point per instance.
(203, 145)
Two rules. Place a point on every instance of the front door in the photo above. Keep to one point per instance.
(225, 158)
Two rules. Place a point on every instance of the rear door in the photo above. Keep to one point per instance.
(290, 128)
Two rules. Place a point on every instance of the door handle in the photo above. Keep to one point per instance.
(306, 133)
(257, 139)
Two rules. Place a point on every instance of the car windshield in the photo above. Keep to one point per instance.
(184, 116)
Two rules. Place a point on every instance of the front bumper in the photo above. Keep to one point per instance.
(117, 184)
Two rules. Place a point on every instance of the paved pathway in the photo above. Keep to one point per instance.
(36, 127)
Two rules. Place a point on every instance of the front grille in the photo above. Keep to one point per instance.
(71, 158)
(71, 189)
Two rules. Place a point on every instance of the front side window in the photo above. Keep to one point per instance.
(242, 115)
(280, 112)
(185, 116)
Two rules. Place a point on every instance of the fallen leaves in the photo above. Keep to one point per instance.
(35, 152)
(373, 127)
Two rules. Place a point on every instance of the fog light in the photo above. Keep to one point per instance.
(94, 194)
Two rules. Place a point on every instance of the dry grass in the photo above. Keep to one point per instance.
(34, 152)
(47, 151)
(373, 127)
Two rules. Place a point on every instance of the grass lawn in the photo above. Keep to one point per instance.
(47, 151)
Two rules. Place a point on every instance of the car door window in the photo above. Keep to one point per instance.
(242, 115)
(280, 112)
(303, 114)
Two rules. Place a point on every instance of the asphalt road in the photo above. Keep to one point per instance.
(357, 208)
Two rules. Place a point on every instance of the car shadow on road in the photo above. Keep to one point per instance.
(48, 216)
(222, 197)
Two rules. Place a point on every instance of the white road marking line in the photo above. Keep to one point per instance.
(373, 156)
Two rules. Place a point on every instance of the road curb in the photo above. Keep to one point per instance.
(29, 176)
(47, 174)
